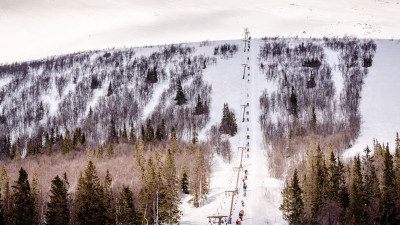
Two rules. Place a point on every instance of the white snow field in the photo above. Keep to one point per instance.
(380, 103)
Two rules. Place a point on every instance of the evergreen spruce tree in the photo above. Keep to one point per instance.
(124, 135)
(292, 205)
(23, 211)
(180, 95)
(371, 186)
(184, 176)
(132, 137)
(149, 195)
(293, 103)
(108, 199)
(149, 132)
(2, 221)
(344, 199)
(169, 206)
(195, 138)
(66, 143)
(35, 194)
(313, 119)
(320, 183)
(358, 208)
(113, 134)
(228, 122)
(5, 189)
(110, 90)
(57, 208)
(29, 147)
(139, 153)
(333, 177)
(100, 151)
(89, 206)
(388, 208)
(110, 150)
(126, 210)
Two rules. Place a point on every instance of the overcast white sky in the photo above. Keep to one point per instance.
(33, 29)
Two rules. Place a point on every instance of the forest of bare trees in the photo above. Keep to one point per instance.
(306, 101)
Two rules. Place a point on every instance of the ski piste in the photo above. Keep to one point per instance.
(259, 202)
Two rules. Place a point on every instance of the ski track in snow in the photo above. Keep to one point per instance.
(263, 192)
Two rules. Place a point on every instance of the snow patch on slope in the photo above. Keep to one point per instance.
(380, 106)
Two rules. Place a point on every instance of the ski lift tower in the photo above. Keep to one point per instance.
(246, 37)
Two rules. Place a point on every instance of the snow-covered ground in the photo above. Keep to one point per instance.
(261, 205)
(380, 104)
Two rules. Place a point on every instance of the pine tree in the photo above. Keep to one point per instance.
(149, 195)
(108, 199)
(162, 129)
(57, 208)
(388, 208)
(343, 192)
(371, 186)
(110, 90)
(313, 119)
(35, 193)
(100, 151)
(184, 176)
(89, 205)
(149, 132)
(195, 138)
(358, 209)
(66, 143)
(293, 103)
(124, 134)
(112, 133)
(23, 211)
(228, 122)
(2, 221)
(132, 137)
(169, 206)
(292, 205)
(29, 147)
(139, 153)
(126, 210)
(333, 177)
(180, 95)
(110, 150)
(5, 189)
(320, 183)
(174, 143)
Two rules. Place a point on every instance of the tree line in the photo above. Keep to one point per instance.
(325, 189)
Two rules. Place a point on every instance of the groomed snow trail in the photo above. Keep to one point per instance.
(263, 196)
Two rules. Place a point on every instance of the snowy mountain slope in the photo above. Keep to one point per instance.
(224, 76)
(263, 193)
(263, 196)
(380, 106)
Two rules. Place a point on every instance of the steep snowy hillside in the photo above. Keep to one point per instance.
(380, 107)
(292, 89)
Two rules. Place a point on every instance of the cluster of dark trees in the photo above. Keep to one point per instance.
(327, 190)
(304, 102)
(226, 50)
(228, 122)
(92, 88)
